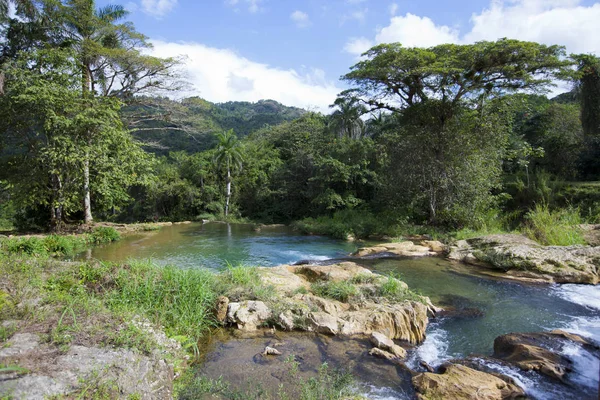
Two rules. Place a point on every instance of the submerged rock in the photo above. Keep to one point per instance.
(460, 382)
(523, 259)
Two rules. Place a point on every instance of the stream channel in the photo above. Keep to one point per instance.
(490, 307)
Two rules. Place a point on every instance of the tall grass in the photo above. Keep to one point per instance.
(178, 299)
(554, 228)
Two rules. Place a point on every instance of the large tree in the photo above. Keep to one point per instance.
(110, 61)
(447, 148)
(45, 123)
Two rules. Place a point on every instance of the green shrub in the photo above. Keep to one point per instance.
(64, 245)
(341, 290)
(395, 290)
(554, 228)
(32, 246)
(104, 234)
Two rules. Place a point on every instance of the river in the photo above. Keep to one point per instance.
(488, 307)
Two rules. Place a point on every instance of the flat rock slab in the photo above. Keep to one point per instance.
(52, 372)
(523, 259)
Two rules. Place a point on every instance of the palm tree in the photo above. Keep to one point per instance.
(229, 153)
(346, 119)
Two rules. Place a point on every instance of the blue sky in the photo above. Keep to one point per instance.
(295, 51)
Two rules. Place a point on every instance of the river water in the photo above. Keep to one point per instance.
(486, 308)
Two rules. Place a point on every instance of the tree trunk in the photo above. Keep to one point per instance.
(87, 202)
(56, 209)
(228, 190)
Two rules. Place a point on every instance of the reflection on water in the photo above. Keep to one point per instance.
(212, 245)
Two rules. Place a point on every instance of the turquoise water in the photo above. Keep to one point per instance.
(213, 245)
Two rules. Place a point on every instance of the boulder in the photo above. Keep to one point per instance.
(405, 321)
(384, 343)
(323, 322)
(52, 373)
(458, 382)
(523, 259)
(248, 315)
(434, 245)
(540, 351)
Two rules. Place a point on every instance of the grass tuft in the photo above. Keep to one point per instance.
(554, 228)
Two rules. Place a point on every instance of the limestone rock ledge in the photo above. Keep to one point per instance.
(299, 309)
(523, 259)
(403, 249)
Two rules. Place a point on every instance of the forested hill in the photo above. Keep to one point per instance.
(192, 122)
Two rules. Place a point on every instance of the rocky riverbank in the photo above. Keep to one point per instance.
(507, 255)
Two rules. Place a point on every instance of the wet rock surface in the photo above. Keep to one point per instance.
(541, 352)
(523, 259)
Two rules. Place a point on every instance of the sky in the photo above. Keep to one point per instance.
(294, 51)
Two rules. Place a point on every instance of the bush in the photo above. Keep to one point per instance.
(554, 228)
(64, 245)
(32, 246)
(104, 234)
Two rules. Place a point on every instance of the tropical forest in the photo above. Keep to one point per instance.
(432, 231)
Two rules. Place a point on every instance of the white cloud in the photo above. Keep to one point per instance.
(253, 5)
(158, 8)
(563, 22)
(393, 9)
(221, 75)
(300, 18)
(414, 31)
(358, 46)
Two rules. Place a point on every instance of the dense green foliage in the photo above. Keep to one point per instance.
(451, 137)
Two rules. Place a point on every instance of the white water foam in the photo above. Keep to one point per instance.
(585, 295)
(586, 327)
(382, 393)
(434, 350)
(298, 255)
(531, 386)
(585, 365)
